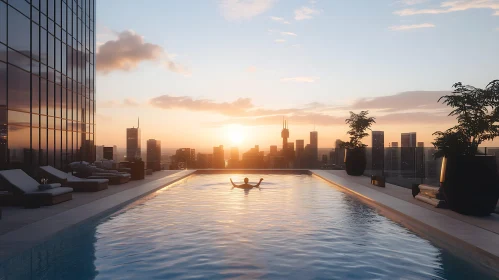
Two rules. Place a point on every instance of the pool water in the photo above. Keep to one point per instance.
(295, 227)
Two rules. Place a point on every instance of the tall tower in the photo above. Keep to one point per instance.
(284, 135)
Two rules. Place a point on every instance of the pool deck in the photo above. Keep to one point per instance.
(22, 229)
(476, 237)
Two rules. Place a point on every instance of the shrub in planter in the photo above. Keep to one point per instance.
(355, 152)
(470, 181)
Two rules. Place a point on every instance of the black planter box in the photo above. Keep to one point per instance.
(471, 184)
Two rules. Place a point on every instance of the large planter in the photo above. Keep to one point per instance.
(470, 184)
(355, 161)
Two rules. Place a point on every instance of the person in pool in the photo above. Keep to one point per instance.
(246, 185)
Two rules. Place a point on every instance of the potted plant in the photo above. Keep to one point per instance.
(469, 180)
(355, 152)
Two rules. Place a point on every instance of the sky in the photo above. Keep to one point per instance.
(225, 72)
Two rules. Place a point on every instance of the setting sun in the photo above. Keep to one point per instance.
(236, 134)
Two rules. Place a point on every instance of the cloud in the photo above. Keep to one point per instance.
(454, 6)
(300, 79)
(404, 101)
(280, 20)
(244, 9)
(305, 13)
(188, 103)
(279, 40)
(413, 26)
(128, 50)
(251, 69)
(288, 33)
(415, 107)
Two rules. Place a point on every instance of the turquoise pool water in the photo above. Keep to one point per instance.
(296, 227)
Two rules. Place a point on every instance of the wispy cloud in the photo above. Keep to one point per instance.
(416, 107)
(279, 40)
(280, 20)
(129, 50)
(300, 79)
(244, 9)
(453, 6)
(413, 26)
(288, 34)
(305, 13)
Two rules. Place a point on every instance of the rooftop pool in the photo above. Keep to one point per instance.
(295, 227)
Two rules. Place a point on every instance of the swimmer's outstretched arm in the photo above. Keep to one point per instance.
(233, 185)
(258, 185)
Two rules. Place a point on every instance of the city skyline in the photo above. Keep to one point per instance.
(246, 64)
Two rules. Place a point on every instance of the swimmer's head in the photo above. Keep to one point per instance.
(246, 180)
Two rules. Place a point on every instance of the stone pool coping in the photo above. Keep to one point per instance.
(17, 241)
(463, 235)
(464, 239)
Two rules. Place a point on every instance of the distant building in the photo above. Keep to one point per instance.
(110, 153)
(182, 159)
(395, 144)
(408, 139)
(420, 145)
(204, 161)
(291, 146)
(218, 157)
(408, 155)
(253, 158)
(378, 151)
(154, 154)
(314, 144)
(99, 153)
(273, 150)
(234, 158)
(133, 150)
(324, 159)
(300, 147)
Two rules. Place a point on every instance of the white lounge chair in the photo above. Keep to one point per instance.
(22, 184)
(87, 171)
(78, 184)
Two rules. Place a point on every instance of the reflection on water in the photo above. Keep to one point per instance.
(295, 227)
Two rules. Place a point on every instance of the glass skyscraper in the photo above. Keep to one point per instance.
(47, 83)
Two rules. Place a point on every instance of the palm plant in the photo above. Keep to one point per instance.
(477, 113)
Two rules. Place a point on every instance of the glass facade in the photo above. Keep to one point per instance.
(47, 83)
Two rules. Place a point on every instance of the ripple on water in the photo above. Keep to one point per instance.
(295, 227)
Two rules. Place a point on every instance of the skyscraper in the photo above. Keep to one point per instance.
(273, 150)
(378, 150)
(49, 82)
(234, 158)
(408, 139)
(314, 144)
(133, 146)
(154, 154)
(408, 154)
(218, 157)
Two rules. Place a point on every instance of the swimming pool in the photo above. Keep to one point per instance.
(295, 227)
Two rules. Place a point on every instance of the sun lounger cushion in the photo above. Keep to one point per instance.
(43, 187)
(52, 192)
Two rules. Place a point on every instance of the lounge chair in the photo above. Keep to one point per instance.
(87, 171)
(78, 184)
(22, 184)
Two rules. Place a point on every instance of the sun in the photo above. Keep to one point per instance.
(236, 134)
